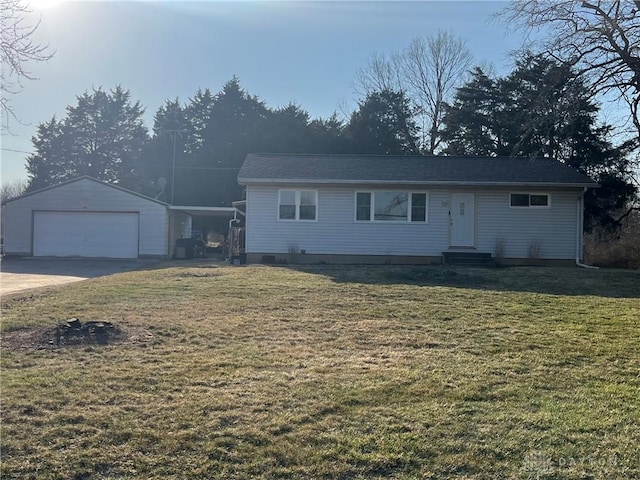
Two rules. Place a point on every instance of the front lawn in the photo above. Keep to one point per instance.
(328, 372)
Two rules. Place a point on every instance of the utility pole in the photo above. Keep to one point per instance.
(173, 134)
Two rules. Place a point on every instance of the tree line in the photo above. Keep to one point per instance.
(194, 151)
(424, 100)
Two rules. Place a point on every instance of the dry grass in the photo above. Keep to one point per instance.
(619, 249)
(330, 372)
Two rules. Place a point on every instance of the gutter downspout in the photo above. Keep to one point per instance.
(579, 230)
(235, 219)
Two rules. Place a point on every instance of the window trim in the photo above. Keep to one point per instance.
(408, 220)
(530, 194)
(297, 192)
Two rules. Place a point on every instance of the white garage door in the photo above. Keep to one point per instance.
(85, 234)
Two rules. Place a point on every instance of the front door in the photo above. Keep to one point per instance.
(462, 220)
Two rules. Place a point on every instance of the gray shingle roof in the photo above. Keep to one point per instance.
(84, 177)
(389, 169)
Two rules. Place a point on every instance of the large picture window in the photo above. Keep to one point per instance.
(533, 200)
(391, 206)
(297, 205)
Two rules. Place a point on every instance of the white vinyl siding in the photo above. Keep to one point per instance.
(552, 228)
(337, 231)
(86, 195)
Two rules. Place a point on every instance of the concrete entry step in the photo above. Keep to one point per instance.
(468, 258)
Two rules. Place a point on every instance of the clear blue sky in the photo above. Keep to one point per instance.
(305, 52)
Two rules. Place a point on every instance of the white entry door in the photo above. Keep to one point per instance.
(85, 234)
(462, 219)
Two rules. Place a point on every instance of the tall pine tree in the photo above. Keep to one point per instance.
(101, 136)
(542, 109)
(383, 124)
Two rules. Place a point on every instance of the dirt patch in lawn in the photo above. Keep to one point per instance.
(72, 334)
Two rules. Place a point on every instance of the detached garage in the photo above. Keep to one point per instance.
(89, 218)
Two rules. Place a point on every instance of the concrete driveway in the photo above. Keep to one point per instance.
(18, 274)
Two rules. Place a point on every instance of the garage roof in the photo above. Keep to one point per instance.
(189, 209)
(85, 177)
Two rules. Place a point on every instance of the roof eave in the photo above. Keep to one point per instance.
(195, 210)
(307, 181)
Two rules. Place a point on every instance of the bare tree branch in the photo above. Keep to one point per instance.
(600, 37)
(619, 220)
(428, 72)
(12, 189)
(17, 49)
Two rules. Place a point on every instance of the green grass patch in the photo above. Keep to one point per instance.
(329, 372)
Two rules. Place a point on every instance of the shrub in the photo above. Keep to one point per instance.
(619, 249)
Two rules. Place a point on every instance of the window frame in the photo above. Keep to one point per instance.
(298, 204)
(372, 205)
(530, 194)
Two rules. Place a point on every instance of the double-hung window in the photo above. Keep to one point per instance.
(297, 205)
(391, 206)
(532, 200)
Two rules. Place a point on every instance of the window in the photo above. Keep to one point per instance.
(363, 206)
(391, 206)
(418, 207)
(307, 209)
(534, 200)
(297, 205)
(539, 200)
(287, 205)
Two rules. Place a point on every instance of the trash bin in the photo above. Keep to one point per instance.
(193, 247)
(240, 259)
(185, 244)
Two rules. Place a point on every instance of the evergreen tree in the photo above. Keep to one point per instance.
(223, 130)
(383, 124)
(477, 123)
(197, 116)
(327, 135)
(542, 109)
(288, 130)
(165, 150)
(102, 136)
(48, 165)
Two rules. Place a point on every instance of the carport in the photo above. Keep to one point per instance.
(230, 216)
